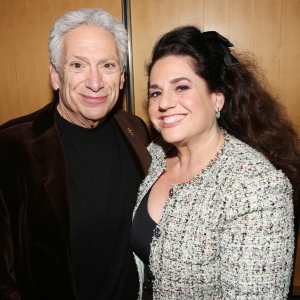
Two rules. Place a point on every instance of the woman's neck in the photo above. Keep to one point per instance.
(186, 161)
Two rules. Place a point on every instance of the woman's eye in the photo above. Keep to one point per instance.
(154, 94)
(182, 88)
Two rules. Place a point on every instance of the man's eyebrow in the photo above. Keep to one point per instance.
(82, 58)
(172, 81)
(86, 60)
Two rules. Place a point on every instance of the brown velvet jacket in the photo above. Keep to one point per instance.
(35, 258)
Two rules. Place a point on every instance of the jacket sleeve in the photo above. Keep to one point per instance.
(7, 280)
(257, 241)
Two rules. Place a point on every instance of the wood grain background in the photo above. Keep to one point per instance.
(267, 28)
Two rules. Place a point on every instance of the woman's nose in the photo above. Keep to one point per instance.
(166, 101)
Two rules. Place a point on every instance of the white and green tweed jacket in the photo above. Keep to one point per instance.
(226, 234)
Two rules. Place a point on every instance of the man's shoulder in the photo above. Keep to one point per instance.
(130, 121)
(19, 121)
(128, 117)
(44, 117)
(21, 127)
(132, 126)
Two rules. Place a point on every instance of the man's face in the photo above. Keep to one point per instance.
(90, 77)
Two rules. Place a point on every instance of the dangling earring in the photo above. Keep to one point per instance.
(218, 114)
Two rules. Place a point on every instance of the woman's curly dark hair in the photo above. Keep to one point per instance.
(250, 112)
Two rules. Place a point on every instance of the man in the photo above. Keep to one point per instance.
(69, 174)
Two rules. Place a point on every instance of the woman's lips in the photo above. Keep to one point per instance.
(172, 119)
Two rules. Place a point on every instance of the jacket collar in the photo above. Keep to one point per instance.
(45, 118)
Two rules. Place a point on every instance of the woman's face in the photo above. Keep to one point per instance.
(180, 106)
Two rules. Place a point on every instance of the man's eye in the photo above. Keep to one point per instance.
(109, 65)
(77, 65)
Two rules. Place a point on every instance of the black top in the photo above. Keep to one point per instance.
(103, 180)
(142, 231)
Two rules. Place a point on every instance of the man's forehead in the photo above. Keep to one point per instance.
(87, 40)
(89, 34)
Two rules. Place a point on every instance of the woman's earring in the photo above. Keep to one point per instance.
(218, 114)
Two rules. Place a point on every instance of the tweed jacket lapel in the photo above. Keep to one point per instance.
(158, 150)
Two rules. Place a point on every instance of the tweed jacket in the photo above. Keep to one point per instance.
(35, 256)
(227, 233)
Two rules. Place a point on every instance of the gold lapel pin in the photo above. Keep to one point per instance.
(130, 131)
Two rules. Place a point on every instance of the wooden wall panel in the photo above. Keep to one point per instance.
(241, 29)
(268, 29)
(41, 20)
(24, 49)
(267, 39)
(150, 19)
(24, 30)
(9, 101)
(216, 16)
(59, 7)
(289, 74)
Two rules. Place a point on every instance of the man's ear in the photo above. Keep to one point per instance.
(122, 79)
(54, 76)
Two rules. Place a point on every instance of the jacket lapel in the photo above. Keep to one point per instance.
(137, 140)
(48, 154)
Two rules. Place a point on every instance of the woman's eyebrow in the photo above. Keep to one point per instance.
(154, 86)
(175, 80)
(172, 81)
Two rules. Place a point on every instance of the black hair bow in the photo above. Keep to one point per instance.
(221, 44)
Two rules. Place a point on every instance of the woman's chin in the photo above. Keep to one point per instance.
(171, 139)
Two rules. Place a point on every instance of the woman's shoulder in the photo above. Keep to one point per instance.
(159, 148)
(242, 158)
(248, 182)
(251, 170)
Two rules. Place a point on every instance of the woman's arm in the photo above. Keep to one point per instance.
(257, 244)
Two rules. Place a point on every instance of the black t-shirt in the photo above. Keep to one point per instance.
(103, 180)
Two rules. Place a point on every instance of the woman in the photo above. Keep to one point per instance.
(214, 216)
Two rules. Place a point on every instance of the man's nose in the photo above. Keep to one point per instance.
(94, 80)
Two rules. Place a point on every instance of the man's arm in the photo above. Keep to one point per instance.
(7, 280)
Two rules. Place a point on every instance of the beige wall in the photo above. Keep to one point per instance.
(268, 28)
